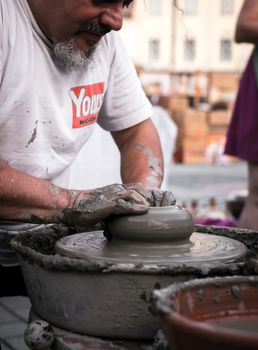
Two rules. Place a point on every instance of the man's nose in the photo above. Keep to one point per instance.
(112, 16)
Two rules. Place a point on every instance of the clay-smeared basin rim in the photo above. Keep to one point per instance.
(164, 299)
(25, 246)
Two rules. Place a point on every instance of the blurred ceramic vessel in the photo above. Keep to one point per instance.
(211, 313)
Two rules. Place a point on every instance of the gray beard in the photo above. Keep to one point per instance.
(71, 58)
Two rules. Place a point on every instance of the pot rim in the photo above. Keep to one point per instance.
(58, 262)
(170, 317)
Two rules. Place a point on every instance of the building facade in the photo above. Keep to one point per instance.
(193, 35)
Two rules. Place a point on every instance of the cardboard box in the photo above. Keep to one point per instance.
(219, 117)
(225, 81)
(194, 149)
(178, 103)
(195, 123)
(195, 144)
(218, 130)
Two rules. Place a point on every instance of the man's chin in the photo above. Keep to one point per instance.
(70, 56)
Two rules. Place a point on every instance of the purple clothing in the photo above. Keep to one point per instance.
(242, 137)
(217, 222)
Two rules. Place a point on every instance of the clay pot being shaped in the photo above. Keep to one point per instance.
(211, 313)
(171, 223)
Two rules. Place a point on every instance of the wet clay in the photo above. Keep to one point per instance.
(160, 237)
(34, 134)
(201, 249)
(40, 248)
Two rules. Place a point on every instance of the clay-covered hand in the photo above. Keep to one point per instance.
(155, 197)
(90, 207)
(162, 198)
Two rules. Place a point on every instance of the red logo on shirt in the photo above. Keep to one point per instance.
(86, 103)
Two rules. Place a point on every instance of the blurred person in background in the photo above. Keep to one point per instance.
(167, 131)
(242, 137)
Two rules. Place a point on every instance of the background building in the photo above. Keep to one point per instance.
(196, 35)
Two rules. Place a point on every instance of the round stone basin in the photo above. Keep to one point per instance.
(211, 313)
(88, 284)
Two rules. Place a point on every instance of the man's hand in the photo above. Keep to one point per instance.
(155, 197)
(90, 207)
(29, 199)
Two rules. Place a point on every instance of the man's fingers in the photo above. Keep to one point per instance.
(140, 189)
(157, 197)
(168, 199)
(132, 196)
(124, 207)
(162, 198)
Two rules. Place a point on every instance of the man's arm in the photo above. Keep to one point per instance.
(247, 23)
(141, 155)
(30, 199)
(142, 160)
(23, 196)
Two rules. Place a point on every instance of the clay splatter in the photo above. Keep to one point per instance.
(154, 165)
(235, 291)
(34, 134)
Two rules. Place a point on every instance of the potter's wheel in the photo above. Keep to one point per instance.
(163, 236)
(200, 248)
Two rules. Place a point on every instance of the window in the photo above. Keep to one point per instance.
(189, 50)
(225, 50)
(227, 7)
(155, 7)
(190, 6)
(154, 49)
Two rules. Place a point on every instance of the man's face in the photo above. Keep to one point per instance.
(76, 26)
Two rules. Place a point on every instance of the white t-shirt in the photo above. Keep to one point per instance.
(47, 115)
(167, 131)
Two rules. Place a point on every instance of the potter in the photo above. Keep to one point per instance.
(70, 61)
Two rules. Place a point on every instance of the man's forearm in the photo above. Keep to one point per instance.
(141, 155)
(27, 198)
(142, 164)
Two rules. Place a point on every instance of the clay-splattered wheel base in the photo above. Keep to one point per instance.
(201, 248)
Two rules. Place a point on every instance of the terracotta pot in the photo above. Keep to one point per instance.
(211, 313)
